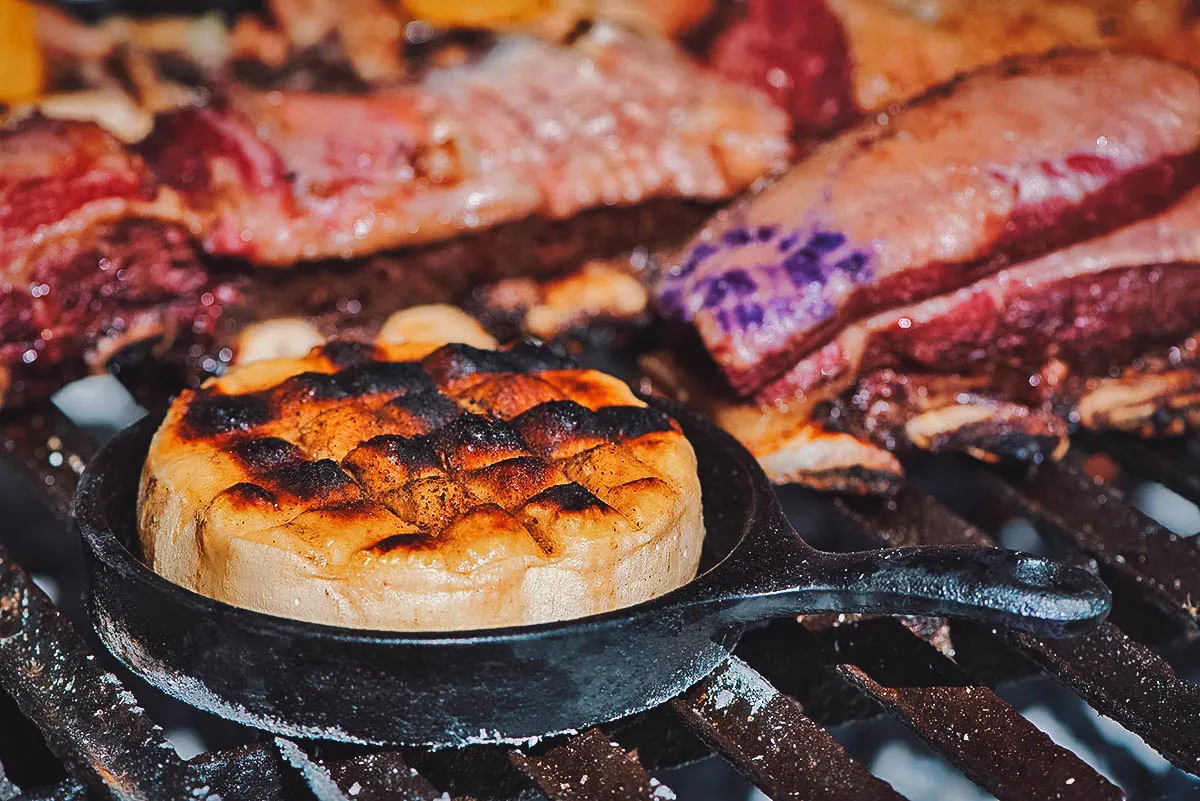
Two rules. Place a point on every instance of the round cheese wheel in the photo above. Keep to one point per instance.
(418, 486)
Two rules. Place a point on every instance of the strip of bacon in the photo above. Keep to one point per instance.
(529, 129)
(1001, 167)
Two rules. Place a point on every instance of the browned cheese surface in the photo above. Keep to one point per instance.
(412, 486)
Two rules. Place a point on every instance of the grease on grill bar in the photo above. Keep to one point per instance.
(89, 720)
(967, 723)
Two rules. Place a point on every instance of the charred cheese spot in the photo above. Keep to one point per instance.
(564, 513)
(284, 469)
(348, 352)
(473, 441)
(415, 541)
(386, 462)
(260, 456)
(505, 395)
(216, 415)
(562, 429)
(248, 494)
(455, 362)
(510, 482)
(420, 412)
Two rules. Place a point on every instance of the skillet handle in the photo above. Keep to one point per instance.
(991, 586)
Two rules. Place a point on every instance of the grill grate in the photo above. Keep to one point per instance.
(111, 748)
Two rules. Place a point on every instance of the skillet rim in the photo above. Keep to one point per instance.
(98, 533)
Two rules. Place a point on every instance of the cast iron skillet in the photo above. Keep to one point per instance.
(308, 680)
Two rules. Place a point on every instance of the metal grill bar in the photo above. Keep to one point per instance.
(1129, 683)
(89, 720)
(1099, 521)
(250, 772)
(371, 777)
(967, 723)
(49, 450)
(1117, 676)
(382, 777)
(1174, 463)
(588, 767)
(8, 790)
(767, 737)
(66, 792)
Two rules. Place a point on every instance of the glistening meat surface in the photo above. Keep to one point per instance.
(997, 168)
(58, 178)
(91, 257)
(1094, 306)
(529, 129)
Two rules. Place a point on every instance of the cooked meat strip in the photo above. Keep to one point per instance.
(1002, 166)
(1095, 306)
(529, 129)
(61, 177)
(91, 293)
(86, 264)
(354, 295)
(790, 445)
(947, 413)
(91, 245)
(524, 137)
(1147, 404)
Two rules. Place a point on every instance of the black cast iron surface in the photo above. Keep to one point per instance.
(305, 680)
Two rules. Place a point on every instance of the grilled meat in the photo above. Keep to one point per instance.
(791, 446)
(944, 413)
(421, 487)
(1152, 404)
(797, 52)
(1000, 167)
(530, 129)
(584, 151)
(903, 292)
(901, 49)
(92, 259)
(1094, 305)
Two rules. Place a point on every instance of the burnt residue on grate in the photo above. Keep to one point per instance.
(967, 723)
(767, 737)
(89, 720)
(589, 767)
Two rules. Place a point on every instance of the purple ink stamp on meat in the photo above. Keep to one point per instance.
(755, 277)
